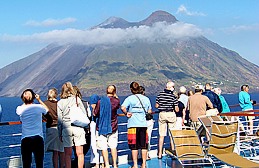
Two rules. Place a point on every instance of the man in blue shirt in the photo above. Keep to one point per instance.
(214, 98)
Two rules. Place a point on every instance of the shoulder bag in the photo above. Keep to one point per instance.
(149, 116)
(77, 116)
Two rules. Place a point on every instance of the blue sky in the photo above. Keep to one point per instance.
(28, 26)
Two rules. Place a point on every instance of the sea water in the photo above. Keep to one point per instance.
(9, 105)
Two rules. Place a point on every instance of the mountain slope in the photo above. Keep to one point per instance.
(186, 61)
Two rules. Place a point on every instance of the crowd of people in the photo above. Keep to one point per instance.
(177, 108)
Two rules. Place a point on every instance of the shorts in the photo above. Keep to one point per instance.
(52, 142)
(105, 141)
(250, 117)
(138, 138)
(73, 136)
(164, 119)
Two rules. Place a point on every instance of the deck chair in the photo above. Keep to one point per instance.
(207, 120)
(222, 142)
(188, 149)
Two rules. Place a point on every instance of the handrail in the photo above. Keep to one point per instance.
(10, 123)
(237, 105)
(236, 113)
(243, 113)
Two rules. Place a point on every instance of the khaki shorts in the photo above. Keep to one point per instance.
(250, 117)
(164, 119)
(73, 136)
(105, 141)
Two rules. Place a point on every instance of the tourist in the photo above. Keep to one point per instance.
(150, 125)
(190, 93)
(52, 142)
(107, 124)
(246, 104)
(187, 112)
(167, 105)
(225, 107)
(70, 135)
(134, 107)
(182, 104)
(86, 146)
(214, 98)
(32, 134)
(96, 156)
(197, 105)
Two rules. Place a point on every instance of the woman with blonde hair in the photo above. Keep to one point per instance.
(52, 142)
(70, 135)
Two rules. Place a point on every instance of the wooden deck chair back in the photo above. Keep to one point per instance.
(187, 144)
(222, 142)
(207, 122)
(223, 137)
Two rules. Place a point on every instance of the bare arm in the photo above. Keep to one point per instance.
(41, 102)
(157, 105)
(124, 110)
(184, 114)
(176, 108)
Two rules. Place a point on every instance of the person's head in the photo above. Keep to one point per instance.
(77, 92)
(28, 96)
(142, 90)
(170, 86)
(67, 90)
(217, 91)
(182, 90)
(207, 86)
(134, 88)
(190, 93)
(111, 89)
(52, 94)
(245, 88)
(199, 88)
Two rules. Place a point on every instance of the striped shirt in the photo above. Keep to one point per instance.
(167, 101)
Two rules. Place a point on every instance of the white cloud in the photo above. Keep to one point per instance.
(239, 28)
(158, 32)
(50, 22)
(183, 10)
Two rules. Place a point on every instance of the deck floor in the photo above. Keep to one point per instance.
(155, 163)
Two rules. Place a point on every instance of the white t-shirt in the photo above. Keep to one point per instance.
(184, 99)
(31, 118)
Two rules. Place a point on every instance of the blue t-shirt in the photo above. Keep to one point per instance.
(225, 107)
(31, 118)
(245, 101)
(133, 105)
